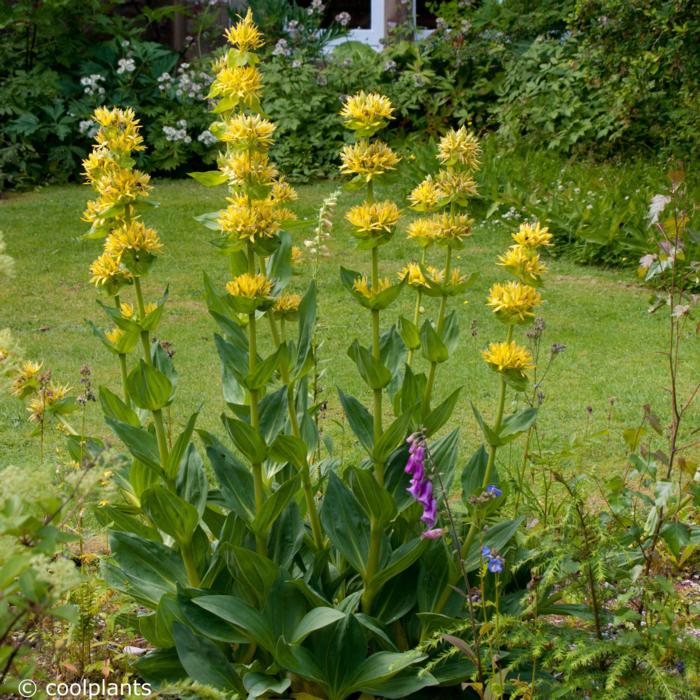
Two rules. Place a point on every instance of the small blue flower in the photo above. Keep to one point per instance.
(495, 565)
(494, 491)
(485, 551)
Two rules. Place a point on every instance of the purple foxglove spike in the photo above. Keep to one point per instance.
(415, 488)
(433, 534)
(426, 494)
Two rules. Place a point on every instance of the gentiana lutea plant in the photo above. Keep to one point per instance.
(246, 583)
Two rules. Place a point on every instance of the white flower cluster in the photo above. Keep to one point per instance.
(281, 48)
(190, 84)
(89, 128)
(343, 18)
(91, 84)
(125, 65)
(177, 133)
(316, 6)
(207, 138)
(322, 233)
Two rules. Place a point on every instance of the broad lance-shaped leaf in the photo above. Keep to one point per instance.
(203, 660)
(180, 447)
(474, 472)
(288, 448)
(148, 387)
(246, 438)
(234, 366)
(410, 334)
(345, 523)
(307, 322)
(235, 479)
(210, 178)
(274, 505)
(315, 619)
(372, 371)
(374, 499)
(138, 441)
(359, 418)
(440, 415)
(191, 483)
(170, 513)
(392, 437)
(400, 559)
(237, 612)
(114, 407)
(434, 350)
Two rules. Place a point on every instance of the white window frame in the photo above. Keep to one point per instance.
(372, 36)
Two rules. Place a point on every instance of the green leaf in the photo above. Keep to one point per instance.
(254, 573)
(138, 441)
(259, 685)
(410, 334)
(315, 619)
(148, 387)
(382, 666)
(210, 178)
(392, 437)
(676, 536)
(246, 438)
(235, 480)
(239, 613)
(440, 415)
(260, 376)
(372, 371)
(359, 418)
(289, 448)
(516, 424)
(307, 322)
(375, 500)
(489, 434)
(170, 513)
(148, 569)
(113, 407)
(234, 367)
(400, 559)
(434, 350)
(473, 474)
(203, 660)
(180, 447)
(274, 505)
(345, 523)
(191, 482)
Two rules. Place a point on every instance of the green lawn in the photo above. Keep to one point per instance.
(612, 344)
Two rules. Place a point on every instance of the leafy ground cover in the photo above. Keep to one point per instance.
(610, 369)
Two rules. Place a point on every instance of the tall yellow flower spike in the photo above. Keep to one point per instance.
(459, 148)
(368, 160)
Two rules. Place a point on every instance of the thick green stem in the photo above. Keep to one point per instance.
(123, 372)
(157, 414)
(416, 310)
(376, 354)
(473, 528)
(440, 326)
(258, 484)
(294, 423)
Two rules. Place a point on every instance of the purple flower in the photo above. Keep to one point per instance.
(494, 491)
(421, 488)
(433, 534)
(485, 551)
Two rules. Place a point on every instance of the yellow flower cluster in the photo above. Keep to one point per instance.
(367, 160)
(367, 113)
(508, 356)
(255, 211)
(244, 35)
(248, 132)
(443, 228)
(363, 287)
(287, 305)
(120, 187)
(459, 148)
(522, 259)
(375, 218)
(250, 286)
(45, 398)
(513, 302)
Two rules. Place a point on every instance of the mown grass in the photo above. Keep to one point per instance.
(612, 345)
